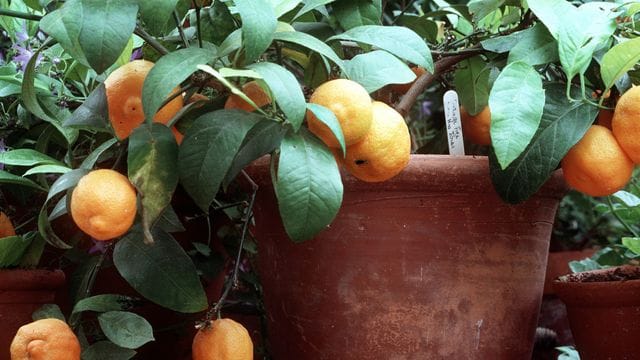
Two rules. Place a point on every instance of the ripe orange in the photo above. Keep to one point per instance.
(46, 339)
(124, 98)
(385, 149)
(625, 124)
(103, 204)
(597, 165)
(476, 128)
(254, 92)
(6, 227)
(223, 339)
(402, 89)
(350, 103)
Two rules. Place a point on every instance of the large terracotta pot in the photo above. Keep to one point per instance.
(604, 315)
(428, 265)
(21, 293)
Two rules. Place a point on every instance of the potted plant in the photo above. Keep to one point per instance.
(288, 49)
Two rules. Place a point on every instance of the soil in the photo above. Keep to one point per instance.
(622, 273)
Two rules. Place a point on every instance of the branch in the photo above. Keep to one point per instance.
(441, 66)
(20, 15)
(150, 40)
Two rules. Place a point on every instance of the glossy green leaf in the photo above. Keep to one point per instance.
(91, 159)
(503, 44)
(152, 155)
(553, 13)
(482, 8)
(126, 329)
(311, 5)
(472, 84)
(516, 102)
(47, 169)
(353, 13)
(208, 150)
(562, 125)
(262, 139)
(97, 31)
(29, 95)
(259, 23)
(27, 157)
(162, 272)
(169, 221)
(328, 118)
(378, 68)
(632, 243)
(216, 22)
(12, 248)
(106, 350)
(8, 178)
(167, 74)
(103, 303)
(308, 187)
(157, 15)
(400, 41)
(93, 113)
(31, 256)
(627, 198)
(310, 42)
(618, 60)
(285, 89)
(536, 47)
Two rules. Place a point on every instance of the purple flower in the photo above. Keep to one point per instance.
(23, 55)
(136, 54)
(98, 247)
(426, 108)
(2, 149)
(22, 35)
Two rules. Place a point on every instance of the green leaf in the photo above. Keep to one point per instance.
(96, 31)
(126, 329)
(481, 8)
(472, 83)
(152, 155)
(12, 248)
(29, 97)
(48, 311)
(328, 118)
(310, 42)
(47, 169)
(91, 159)
(9, 178)
(583, 265)
(27, 157)
(103, 303)
(208, 149)
(216, 22)
(618, 60)
(553, 13)
(627, 198)
(562, 125)
(162, 272)
(536, 47)
(378, 68)
(353, 13)
(503, 44)
(632, 243)
(516, 102)
(308, 187)
(259, 23)
(263, 138)
(106, 350)
(167, 73)
(169, 221)
(157, 15)
(285, 89)
(93, 113)
(400, 41)
(311, 5)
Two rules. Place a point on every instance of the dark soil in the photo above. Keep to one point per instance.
(622, 273)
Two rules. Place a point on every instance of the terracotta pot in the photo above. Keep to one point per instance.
(21, 293)
(558, 264)
(428, 265)
(604, 315)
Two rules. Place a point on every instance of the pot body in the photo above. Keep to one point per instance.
(604, 317)
(431, 264)
(21, 293)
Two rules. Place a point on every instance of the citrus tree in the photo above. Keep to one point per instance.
(226, 82)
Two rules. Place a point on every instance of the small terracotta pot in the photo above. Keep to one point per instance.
(558, 264)
(21, 293)
(604, 315)
(431, 264)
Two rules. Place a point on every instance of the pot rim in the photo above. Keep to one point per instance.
(31, 279)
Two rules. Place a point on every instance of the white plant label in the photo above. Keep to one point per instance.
(454, 126)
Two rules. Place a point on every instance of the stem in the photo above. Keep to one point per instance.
(20, 15)
(441, 66)
(402, 12)
(150, 40)
(234, 276)
(198, 28)
(620, 219)
(180, 30)
(75, 319)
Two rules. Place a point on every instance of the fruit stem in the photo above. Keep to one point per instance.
(150, 40)
(20, 15)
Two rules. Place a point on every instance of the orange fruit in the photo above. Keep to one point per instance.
(402, 89)
(597, 165)
(254, 92)
(124, 98)
(350, 103)
(476, 128)
(46, 339)
(385, 149)
(6, 227)
(103, 204)
(223, 339)
(626, 123)
(605, 116)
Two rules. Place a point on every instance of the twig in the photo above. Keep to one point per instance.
(180, 30)
(198, 27)
(402, 12)
(418, 87)
(20, 15)
(150, 40)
